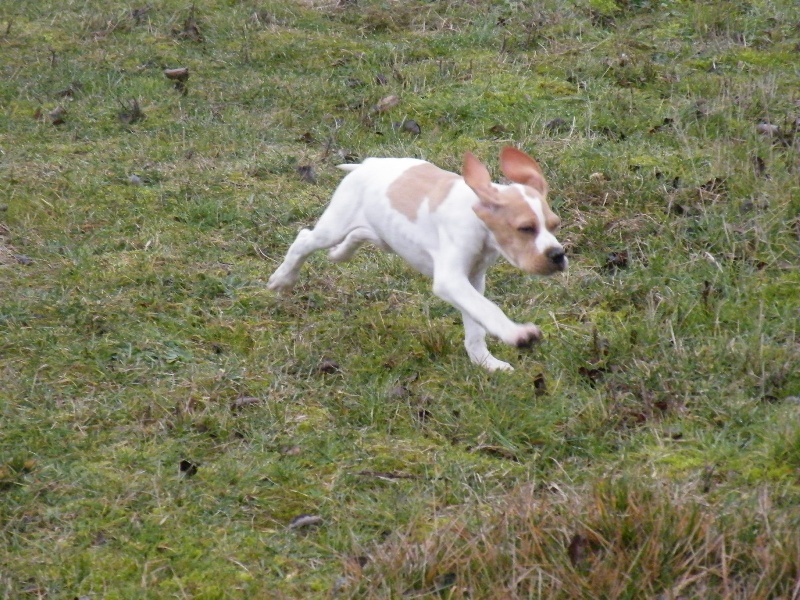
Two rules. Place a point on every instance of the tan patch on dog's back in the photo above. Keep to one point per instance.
(409, 191)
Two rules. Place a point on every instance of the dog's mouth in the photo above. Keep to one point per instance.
(557, 267)
(543, 267)
(558, 258)
(551, 261)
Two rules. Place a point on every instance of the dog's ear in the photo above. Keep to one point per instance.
(521, 168)
(477, 177)
(475, 172)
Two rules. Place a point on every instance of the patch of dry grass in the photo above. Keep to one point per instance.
(618, 540)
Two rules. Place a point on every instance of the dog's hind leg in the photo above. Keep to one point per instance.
(286, 274)
(347, 248)
(336, 224)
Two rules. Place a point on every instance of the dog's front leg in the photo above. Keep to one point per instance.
(475, 343)
(453, 286)
(475, 334)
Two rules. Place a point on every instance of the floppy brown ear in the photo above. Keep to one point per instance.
(475, 172)
(521, 168)
(477, 177)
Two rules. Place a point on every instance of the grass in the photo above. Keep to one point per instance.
(166, 420)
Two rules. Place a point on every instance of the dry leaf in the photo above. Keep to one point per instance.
(616, 260)
(57, 115)
(768, 129)
(307, 173)
(557, 125)
(244, 402)
(577, 549)
(188, 468)
(132, 113)
(179, 74)
(387, 103)
(539, 385)
(291, 450)
(411, 126)
(302, 521)
(328, 366)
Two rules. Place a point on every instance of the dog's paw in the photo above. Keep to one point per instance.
(527, 335)
(280, 283)
(494, 364)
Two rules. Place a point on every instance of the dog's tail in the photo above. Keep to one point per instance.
(348, 167)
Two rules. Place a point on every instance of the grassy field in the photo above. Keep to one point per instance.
(171, 429)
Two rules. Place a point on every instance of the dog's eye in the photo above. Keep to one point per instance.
(529, 229)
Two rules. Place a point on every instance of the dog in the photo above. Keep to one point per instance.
(451, 228)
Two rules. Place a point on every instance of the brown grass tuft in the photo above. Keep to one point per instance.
(620, 540)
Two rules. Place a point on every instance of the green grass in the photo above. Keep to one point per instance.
(165, 418)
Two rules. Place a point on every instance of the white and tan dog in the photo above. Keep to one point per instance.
(448, 227)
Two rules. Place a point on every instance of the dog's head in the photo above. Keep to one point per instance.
(518, 214)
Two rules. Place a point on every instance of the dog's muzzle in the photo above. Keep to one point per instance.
(558, 257)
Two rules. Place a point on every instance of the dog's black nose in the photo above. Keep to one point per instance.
(557, 255)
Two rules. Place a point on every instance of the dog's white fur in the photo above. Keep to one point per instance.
(447, 227)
